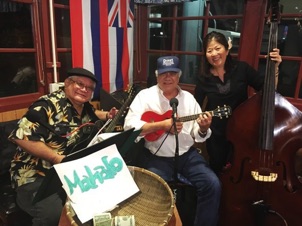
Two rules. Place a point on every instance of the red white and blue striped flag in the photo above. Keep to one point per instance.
(102, 40)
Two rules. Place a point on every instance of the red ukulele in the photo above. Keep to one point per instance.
(150, 116)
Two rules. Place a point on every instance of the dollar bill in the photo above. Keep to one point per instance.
(103, 219)
(108, 222)
(124, 220)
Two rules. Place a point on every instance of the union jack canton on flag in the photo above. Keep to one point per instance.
(102, 41)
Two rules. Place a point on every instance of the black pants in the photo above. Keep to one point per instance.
(46, 212)
(219, 151)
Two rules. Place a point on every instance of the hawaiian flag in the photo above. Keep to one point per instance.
(102, 41)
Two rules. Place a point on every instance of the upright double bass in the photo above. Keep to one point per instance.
(262, 187)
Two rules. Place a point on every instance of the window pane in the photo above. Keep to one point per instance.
(15, 25)
(189, 35)
(289, 36)
(160, 32)
(288, 78)
(229, 7)
(62, 21)
(18, 74)
(291, 6)
(190, 66)
(160, 35)
(161, 11)
(66, 64)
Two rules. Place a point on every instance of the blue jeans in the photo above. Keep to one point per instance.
(193, 167)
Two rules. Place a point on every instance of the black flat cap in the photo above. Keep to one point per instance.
(78, 71)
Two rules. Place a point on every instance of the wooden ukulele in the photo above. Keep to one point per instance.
(150, 116)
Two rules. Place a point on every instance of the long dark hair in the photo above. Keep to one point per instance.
(220, 38)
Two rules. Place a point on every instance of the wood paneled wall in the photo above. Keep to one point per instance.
(16, 114)
(12, 115)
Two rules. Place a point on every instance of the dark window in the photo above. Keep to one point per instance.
(17, 50)
(178, 29)
(27, 51)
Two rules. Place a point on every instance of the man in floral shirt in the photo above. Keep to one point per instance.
(38, 148)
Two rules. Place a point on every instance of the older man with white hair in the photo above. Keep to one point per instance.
(169, 150)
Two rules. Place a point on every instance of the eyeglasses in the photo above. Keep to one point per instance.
(82, 86)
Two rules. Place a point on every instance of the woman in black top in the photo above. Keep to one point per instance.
(225, 81)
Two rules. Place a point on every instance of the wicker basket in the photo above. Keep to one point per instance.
(153, 205)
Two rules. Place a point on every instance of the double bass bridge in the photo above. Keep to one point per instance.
(267, 177)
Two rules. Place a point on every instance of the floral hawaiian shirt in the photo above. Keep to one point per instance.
(56, 111)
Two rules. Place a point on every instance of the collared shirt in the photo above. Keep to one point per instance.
(56, 111)
(152, 99)
(231, 92)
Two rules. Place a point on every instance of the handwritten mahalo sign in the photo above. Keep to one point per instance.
(96, 183)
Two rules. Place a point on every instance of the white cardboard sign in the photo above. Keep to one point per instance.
(96, 183)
